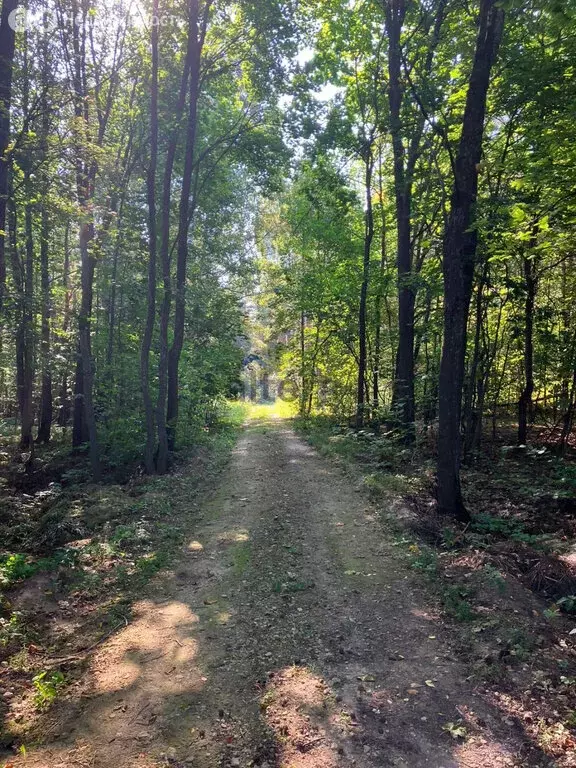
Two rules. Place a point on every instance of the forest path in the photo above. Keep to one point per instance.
(291, 634)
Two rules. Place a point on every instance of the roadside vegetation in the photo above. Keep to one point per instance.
(76, 555)
(505, 580)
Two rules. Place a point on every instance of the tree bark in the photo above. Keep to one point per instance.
(84, 425)
(531, 283)
(23, 283)
(88, 264)
(403, 398)
(7, 46)
(470, 415)
(459, 251)
(46, 408)
(196, 32)
(368, 158)
(162, 453)
(64, 412)
(379, 296)
(152, 248)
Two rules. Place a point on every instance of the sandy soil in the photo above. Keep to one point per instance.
(290, 635)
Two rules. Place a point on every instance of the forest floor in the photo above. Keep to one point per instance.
(298, 628)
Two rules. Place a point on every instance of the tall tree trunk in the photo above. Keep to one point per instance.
(112, 303)
(368, 157)
(459, 251)
(303, 397)
(162, 453)
(7, 45)
(531, 284)
(23, 283)
(46, 409)
(403, 398)
(64, 398)
(26, 440)
(152, 247)
(470, 415)
(84, 426)
(185, 211)
(379, 295)
(88, 264)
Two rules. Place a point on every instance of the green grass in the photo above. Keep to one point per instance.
(241, 558)
(385, 464)
(279, 409)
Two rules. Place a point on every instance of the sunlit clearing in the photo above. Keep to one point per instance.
(279, 409)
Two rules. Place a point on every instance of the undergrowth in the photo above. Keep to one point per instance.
(98, 545)
(504, 513)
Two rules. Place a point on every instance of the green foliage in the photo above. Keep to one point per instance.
(457, 730)
(16, 567)
(425, 560)
(13, 568)
(48, 686)
(567, 604)
(494, 577)
(456, 602)
(505, 528)
(12, 629)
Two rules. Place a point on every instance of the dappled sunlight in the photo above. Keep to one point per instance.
(134, 680)
(126, 661)
(552, 734)
(233, 536)
(426, 615)
(478, 752)
(300, 709)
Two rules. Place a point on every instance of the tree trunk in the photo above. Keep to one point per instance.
(152, 243)
(7, 45)
(302, 410)
(568, 419)
(470, 415)
(459, 251)
(46, 409)
(64, 412)
(84, 427)
(185, 210)
(21, 284)
(531, 280)
(362, 312)
(403, 398)
(162, 453)
(84, 423)
(88, 264)
(379, 296)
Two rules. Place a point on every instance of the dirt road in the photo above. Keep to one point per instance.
(291, 635)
